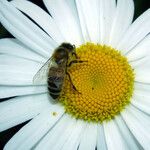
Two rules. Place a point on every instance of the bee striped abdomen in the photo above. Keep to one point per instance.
(54, 90)
(55, 84)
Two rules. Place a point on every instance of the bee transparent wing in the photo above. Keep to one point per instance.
(41, 76)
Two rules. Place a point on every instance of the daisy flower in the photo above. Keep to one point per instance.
(112, 106)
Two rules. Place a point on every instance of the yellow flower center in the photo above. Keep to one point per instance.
(104, 84)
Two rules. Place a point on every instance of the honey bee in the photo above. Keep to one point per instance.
(56, 68)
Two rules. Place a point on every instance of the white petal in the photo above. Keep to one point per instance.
(24, 39)
(113, 136)
(65, 135)
(107, 10)
(89, 137)
(139, 124)
(43, 19)
(142, 72)
(126, 134)
(122, 19)
(51, 138)
(21, 109)
(101, 141)
(73, 142)
(13, 60)
(14, 47)
(25, 30)
(142, 88)
(31, 133)
(65, 14)
(138, 62)
(89, 19)
(10, 91)
(141, 50)
(142, 102)
(17, 71)
(136, 32)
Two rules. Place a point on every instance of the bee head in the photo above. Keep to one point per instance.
(68, 46)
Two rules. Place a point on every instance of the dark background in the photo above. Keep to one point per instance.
(140, 7)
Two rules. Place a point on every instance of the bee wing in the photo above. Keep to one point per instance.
(41, 76)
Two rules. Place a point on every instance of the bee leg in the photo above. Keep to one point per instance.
(75, 62)
(75, 55)
(72, 82)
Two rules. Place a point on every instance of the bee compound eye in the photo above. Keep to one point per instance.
(68, 46)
